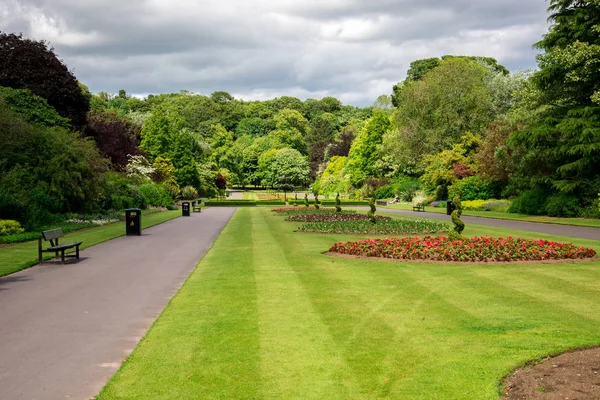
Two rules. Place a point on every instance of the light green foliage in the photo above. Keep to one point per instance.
(437, 110)
(10, 227)
(189, 193)
(164, 173)
(31, 107)
(289, 169)
(334, 179)
(448, 166)
(363, 153)
(221, 142)
(291, 130)
(156, 195)
(486, 205)
(472, 188)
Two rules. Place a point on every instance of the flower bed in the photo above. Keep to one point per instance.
(383, 227)
(477, 249)
(309, 210)
(331, 217)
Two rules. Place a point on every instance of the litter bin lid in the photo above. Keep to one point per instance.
(133, 209)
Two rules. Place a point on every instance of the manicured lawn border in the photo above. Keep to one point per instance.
(17, 257)
(266, 315)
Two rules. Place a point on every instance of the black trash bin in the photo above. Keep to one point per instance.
(185, 209)
(450, 207)
(133, 222)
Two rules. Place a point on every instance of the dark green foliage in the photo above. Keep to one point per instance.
(32, 108)
(473, 188)
(156, 195)
(254, 127)
(563, 205)
(372, 210)
(317, 202)
(45, 170)
(29, 64)
(118, 193)
(532, 202)
(338, 208)
(306, 203)
(565, 142)
(459, 225)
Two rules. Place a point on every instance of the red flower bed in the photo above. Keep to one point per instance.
(477, 249)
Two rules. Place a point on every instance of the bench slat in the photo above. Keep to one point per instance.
(53, 234)
(63, 246)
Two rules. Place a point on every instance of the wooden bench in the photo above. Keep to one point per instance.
(197, 207)
(52, 236)
(419, 207)
(381, 203)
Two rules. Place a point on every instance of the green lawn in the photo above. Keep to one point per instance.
(515, 217)
(265, 315)
(23, 255)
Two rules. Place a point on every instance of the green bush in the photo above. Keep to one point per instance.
(473, 188)
(562, 205)
(189, 193)
(121, 202)
(532, 202)
(10, 227)
(156, 195)
(385, 192)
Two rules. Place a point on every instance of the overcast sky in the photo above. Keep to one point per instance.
(354, 50)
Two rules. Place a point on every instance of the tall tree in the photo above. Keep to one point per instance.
(363, 153)
(33, 65)
(566, 141)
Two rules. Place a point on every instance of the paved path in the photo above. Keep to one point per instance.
(554, 229)
(65, 329)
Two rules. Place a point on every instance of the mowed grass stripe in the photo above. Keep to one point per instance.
(299, 359)
(327, 327)
(566, 298)
(206, 342)
(377, 353)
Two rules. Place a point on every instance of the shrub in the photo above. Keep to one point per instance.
(156, 195)
(473, 188)
(385, 192)
(562, 205)
(382, 227)
(189, 193)
(121, 202)
(532, 202)
(10, 227)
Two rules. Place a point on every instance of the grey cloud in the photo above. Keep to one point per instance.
(349, 48)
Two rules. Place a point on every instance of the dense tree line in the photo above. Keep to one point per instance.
(455, 122)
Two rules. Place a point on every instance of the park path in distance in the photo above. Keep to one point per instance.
(65, 329)
(582, 232)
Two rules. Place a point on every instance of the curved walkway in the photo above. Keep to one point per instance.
(65, 329)
(554, 229)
